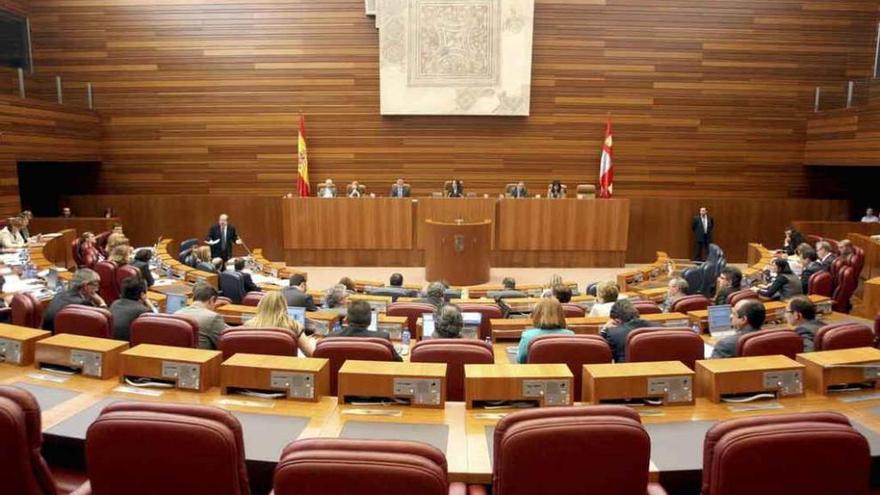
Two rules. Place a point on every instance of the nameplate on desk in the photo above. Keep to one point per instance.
(373, 412)
(187, 375)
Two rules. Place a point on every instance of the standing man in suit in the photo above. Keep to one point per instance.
(399, 189)
(296, 294)
(519, 191)
(455, 189)
(702, 226)
(221, 237)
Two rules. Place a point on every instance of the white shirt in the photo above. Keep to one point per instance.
(870, 219)
(705, 223)
(328, 192)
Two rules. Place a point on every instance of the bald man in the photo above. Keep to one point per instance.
(221, 237)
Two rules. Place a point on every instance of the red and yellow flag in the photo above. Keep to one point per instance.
(606, 167)
(302, 176)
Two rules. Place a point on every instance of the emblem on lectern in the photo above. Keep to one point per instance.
(459, 244)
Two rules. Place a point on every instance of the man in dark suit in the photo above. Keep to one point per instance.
(625, 318)
(455, 189)
(508, 292)
(359, 317)
(801, 314)
(296, 294)
(519, 191)
(221, 237)
(748, 316)
(811, 266)
(399, 189)
(826, 257)
(249, 285)
(702, 226)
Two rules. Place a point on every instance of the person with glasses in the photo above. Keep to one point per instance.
(729, 281)
(801, 314)
(747, 316)
(83, 290)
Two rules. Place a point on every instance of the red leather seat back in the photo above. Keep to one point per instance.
(741, 295)
(140, 448)
(109, 289)
(489, 312)
(336, 466)
(694, 302)
(857, 260)
(412, 310)
(572, 350)
(124, 272)
(821, 283)
(75, 250)
(664, 344)
(582, 450)
(101, 242)
(84, 320)
(812, 454)
(338, 349)
(648, 307)
(26, 310)
(846, 286)
(573, 311)
(269, 341)
(252, 298)
(22, 467)
(836, 266)
(770, 343)
(161, 329)
(455, 353)
(843, 336)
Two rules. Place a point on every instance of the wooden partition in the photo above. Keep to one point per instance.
(871, 247)
(836, 230)
(452, 209)
(96, 225)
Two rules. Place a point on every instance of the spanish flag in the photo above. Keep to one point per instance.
(606, 166)
(302, 177)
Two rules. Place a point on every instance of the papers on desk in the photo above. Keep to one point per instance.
(259, 278)
(10, 259)
(14, 283)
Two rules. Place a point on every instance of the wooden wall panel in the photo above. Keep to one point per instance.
(31, 130)
(846, 136)
(452, 209)
(562, 225)
(15, 6)
(708, 99)
(836, 230)
(333, 223)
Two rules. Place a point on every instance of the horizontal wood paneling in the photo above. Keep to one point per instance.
(343, 223)
(452, 209)
(708, 99)
(836, 230)
(847, 136)
(562, 225)
(15, 6)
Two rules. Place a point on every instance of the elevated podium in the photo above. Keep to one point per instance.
(458, 252)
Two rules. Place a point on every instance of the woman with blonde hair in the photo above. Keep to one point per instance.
(202, 259)
(272, 313)
(116, 239)
(121, 255)
(548, 318)
(11, 239)
(606, 295)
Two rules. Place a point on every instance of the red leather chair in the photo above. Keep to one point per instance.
(595, 449)
(741, 295)
(857, 260)
(573, 311)
(455, 353)
(109, 289)
(22, 466)
(843, 336)
(573, 350)
(816, 453)
(161, 329)
(124, 272)
(647, 307)
(338, 349)
(770, 343)
(821, 283)
(84, 320)
(846, 286)
(489, 311)
(77, 252)
(412, 310)
(101, 242)
(252, 298)
(324, 466)
(26, 310)
(836, 266)
(835, 246)
(269, 341)
(686, 304)
(664, 344)
(141, 448)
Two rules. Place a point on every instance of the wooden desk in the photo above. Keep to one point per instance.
(546, 384)
(424, 384)
(96, 225)
(748, 375)
(18, 344)
(347, 224)
(299, 378)
(457, 252)
(98, 358)
(195, 369)
(512, 328)
(468, 210)
(670, 381)
(835, 230)
(841, 367)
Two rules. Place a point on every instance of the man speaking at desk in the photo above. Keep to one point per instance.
(221, 237)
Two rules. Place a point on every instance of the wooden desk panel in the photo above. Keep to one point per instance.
(347, 223)
(563, 225)
(96, 225)
(836, 230)
(451, 209)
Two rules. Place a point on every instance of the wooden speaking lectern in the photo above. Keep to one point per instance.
(458, 252)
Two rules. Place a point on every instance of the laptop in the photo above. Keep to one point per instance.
(471, 325)
(297, 314)
(719, 321)
(173, 302)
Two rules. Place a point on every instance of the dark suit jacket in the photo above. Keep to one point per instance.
(807, 330)
(403, 192)
(452, 192)
(124, 312)
(828, 260)
(519, 193)
(62, 299)
(144, 267)
(809, 270)
(218, 250)
(726, 347)
(697, 228)
(249, 285)
(206, 267)
(299, 299)
(616, 337)
(352, 331)
(784, 286)
(721, 296)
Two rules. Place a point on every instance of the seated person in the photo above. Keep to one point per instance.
(394, 288)
(556, 190)
(747, 316)
(66, 212)
(826, 256)
(249, 285)
(211, 324)
(435, 295)
(562, 293)
(142, 262)
(810, 267)
(728, 282)
(448, 322)
(132, 303)
(329, 189)
(519, 191)
(358, 320)
(606, 295)
(116, 239)
(845, 247)
(26, 216)
(11, 239)
(354, 190)
(870, 217)
(785, 285)
(296, 294)
(120, 255)
(455, 189)
(399, 189)
(624, 319)
(348, 283)
(508, 292)
(83, 289)
(87, 249)
(202, 255)
(676, 289)
(547, 319)
(801, 314)
(272, 313)
(336, 299)
(792, 240)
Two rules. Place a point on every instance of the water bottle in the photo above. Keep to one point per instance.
(405, 338)
(696, 328)
(489, 340)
